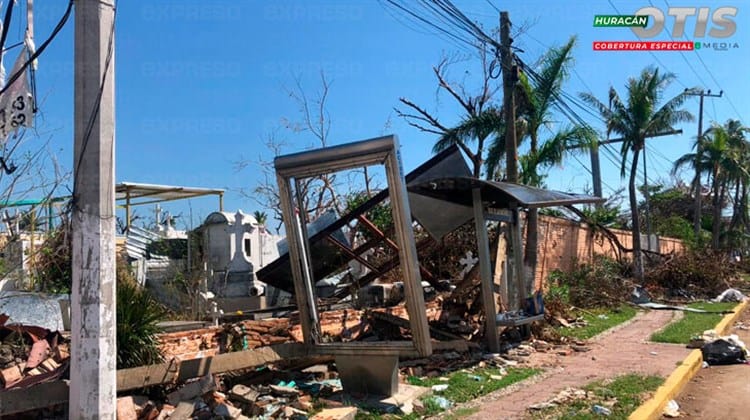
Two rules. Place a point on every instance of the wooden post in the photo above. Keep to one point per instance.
(516, 301)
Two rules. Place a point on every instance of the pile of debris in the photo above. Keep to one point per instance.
(692, 275)
(263, 394)
(30, 355)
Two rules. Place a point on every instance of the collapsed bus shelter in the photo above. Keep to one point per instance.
(502, 202)
(441, 196)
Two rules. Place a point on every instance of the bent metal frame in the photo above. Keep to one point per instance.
(295, 167)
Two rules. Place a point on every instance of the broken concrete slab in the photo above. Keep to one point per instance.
(192, 390)
(183, 411)
(342, 413)
(372, 374)
(243, 394)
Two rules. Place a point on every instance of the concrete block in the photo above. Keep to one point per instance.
(192, 390)
(243, 394)
(369, 374)
(126, 409)
(342, 413)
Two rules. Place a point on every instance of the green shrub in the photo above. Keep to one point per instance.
(599, 284)
(137, 316)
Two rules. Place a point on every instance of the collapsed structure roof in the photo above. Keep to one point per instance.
(495, 194)
(329, 258)
(440, 198)
(138, 194)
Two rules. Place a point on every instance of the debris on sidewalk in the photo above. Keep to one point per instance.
(672, 409)
(724, 351)
(730, 295)
(602, 411)
(565, 396)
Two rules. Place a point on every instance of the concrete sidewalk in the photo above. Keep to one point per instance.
(624, 350)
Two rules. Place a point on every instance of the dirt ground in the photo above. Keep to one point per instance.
(624, 350)
(720, 392)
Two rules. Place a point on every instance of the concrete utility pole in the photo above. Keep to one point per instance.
(509, 101)
(93, 383)
(510, 78)
(698, 155)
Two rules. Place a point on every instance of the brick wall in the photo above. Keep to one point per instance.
(562, 242)
(193, 344)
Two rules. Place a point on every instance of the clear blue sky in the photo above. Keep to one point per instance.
(200, 83)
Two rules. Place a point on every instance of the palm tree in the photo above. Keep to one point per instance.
(261, 217)
(724, 158)
(642, 114)
(473, 128)
(540, 93)
(535, 99)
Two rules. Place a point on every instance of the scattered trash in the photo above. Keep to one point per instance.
(654, 353)
(476, 378)
(602, 411)
(724, 351)
(602, 316)
(651, 305)
(442, 402)
(439, 388)
(672, 409)
(704, 364)
(639, 296)
(730, 295)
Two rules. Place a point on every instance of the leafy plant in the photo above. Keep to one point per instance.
(599, 284)
(380, 215)
(137, 316)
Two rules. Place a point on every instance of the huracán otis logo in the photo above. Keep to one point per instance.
(649, 22)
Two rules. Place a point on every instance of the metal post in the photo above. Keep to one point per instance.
(517, 300)
(407, 252)
(93, 347)
(488, 297)
(127, 210)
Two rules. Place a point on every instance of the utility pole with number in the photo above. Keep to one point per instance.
(93, 381)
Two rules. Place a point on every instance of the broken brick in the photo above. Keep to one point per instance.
(12, 374)
(342, 413)
(126, 409)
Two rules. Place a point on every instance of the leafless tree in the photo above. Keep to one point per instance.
(318, 193)
(474, 103)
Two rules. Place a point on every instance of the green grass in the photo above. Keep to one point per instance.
(465, 386)
(692, 323)
(596, 325)
(622, 396)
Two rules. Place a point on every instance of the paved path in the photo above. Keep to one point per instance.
(625, 350)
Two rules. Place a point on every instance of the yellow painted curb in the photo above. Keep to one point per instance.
(653, 408)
